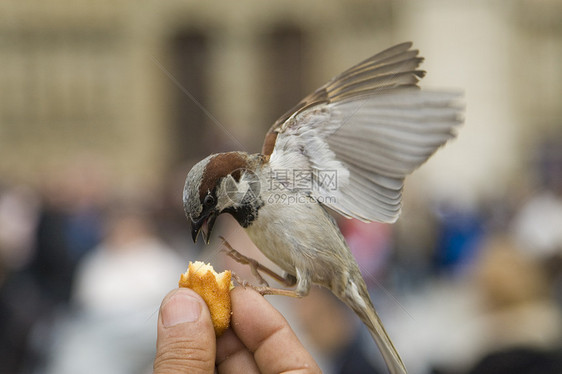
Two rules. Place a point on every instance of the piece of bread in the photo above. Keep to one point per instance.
(213, 288)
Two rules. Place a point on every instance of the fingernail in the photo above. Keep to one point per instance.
(180, 308)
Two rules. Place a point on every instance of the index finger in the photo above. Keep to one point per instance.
(267, 334)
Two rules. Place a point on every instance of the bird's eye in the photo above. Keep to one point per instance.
(209, 201)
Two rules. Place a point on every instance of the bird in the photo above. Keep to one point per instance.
(345, 148)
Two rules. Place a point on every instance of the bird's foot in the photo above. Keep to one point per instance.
(255, 266)
(287, 280)
(265, 290)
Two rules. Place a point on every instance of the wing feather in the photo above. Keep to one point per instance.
(373, 126)
(371, 67)
(369, 86)
(409, 64)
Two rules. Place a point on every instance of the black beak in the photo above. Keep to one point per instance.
(204, 225)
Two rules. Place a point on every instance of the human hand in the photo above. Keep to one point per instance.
(259, 340)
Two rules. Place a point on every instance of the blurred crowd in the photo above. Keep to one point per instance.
(83, 270)
(462, 288)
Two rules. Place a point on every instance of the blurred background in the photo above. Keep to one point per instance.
(104, 107)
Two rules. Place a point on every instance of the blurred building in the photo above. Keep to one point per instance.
(151, 84)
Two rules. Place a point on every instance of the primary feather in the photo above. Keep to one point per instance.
(371, 126)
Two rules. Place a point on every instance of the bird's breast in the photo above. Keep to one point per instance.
(274, 232)
(298, 235)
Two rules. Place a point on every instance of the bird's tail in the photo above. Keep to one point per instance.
(357, 298)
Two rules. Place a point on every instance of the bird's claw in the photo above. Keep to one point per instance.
(256, 267)
(244, 260)
(265, 290)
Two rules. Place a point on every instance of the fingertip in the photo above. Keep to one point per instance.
(180, 306)
(246, 297)
(186, 338)
(181, 290)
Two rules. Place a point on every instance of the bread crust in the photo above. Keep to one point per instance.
(214, 288)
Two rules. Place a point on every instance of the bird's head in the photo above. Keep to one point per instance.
(222, 183)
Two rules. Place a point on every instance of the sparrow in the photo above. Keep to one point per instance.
(347, 147)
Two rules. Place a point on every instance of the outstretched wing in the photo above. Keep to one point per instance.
(361, 134)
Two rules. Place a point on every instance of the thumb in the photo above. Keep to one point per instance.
(186, 340)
